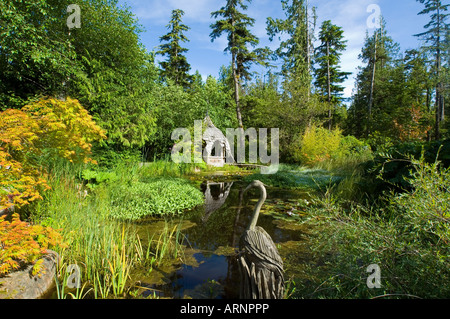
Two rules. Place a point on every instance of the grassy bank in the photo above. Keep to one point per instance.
(407, 234)
(86, 211)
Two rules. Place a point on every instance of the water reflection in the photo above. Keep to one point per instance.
(214, 241)
(215, 196)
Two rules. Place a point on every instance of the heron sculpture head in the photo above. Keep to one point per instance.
(262, 199)
(255, 183)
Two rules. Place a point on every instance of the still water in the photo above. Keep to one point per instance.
(212, 239)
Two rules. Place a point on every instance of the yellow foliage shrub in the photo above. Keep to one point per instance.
(317, 145)
(62, 127)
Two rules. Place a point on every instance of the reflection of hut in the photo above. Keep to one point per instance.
(215, 196)
(217, 151)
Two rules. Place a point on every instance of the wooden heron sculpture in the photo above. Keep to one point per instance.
(260, 265)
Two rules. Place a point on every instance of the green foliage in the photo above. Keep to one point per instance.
(426, 210)
(379, 53)
(35, 54)
(94, 178)
(319, 145)
(327, 73)
(307, 109)
(350, 146)
(379, 142)
(236, 25)
(102, 63)
(328, 58)
(260, 101)
(176, 67)
(109, 157)
(295, 41)
(155, 197)
(408, 239)
(435, 44)
(394, 165)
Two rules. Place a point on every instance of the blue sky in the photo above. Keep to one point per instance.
(401, 18)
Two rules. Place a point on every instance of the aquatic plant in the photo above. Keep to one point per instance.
(156, 197)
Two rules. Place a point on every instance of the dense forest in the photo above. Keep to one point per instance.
(95, 98)
(399, 96)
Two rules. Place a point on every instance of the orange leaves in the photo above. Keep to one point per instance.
(62, 128)
(413, 128)
(17, 130)
(21, 243)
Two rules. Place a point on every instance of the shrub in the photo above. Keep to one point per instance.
(30, 137)
(394, 166)
(426, 210)
(350, 146)
(319, 145)
(22, 244)
(409, 239)
(95, 178)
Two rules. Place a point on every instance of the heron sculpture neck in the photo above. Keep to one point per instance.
(258, 206)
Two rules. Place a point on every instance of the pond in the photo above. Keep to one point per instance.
(211, 236)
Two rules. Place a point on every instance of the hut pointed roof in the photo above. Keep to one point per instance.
(212, 134)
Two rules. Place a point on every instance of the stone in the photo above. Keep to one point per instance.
(22, 284)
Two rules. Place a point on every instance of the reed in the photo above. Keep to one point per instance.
(161, 246)
(104, 249)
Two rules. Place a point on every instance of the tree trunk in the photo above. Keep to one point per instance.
(372, 83)
(330, 111)
(236, 80)
(236, 96)
(308, 58)
(439, 106)
(428, 110)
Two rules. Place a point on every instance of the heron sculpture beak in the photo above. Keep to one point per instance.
(255, 183)
(247, 188)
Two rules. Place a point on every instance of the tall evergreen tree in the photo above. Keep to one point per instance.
(235, 24)
(328, 74)
(371, 98)
(435, 35)
(176, 67)
(295, 51)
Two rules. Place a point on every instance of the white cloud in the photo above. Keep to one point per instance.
(352, 16)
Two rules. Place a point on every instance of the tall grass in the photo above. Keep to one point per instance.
(166, 168)
(161, 246)
(102, 248)
(407, 236)
(105, 250)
